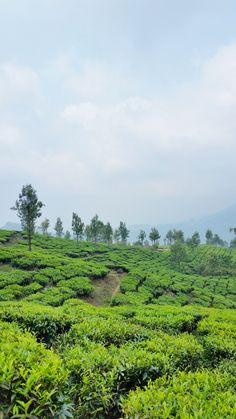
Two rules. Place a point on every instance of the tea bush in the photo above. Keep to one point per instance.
(203, 394)
(32, 379)
(164, 348)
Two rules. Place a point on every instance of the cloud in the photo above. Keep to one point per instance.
(9, 137)
(146, 154)
(162, 143)
(199, 115)
(18, 84)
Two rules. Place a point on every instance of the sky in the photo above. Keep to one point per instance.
(124, 108)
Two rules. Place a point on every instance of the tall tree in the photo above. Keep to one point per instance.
(124, 232)
(28, 209)
(107, 233)
(170, 237)
(96, 228)
(154, 236)
(209, 236)
(217, 241)
(77, 226)
(178, 254)
(142, 236)
(58, 227)
(67, 235)
(116, 235)
(45, 225)
(194, 241)
(178, 236)
(233, 242)
(87, 233)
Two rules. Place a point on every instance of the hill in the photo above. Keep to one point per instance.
(74, 345)
(11, 226)
(219, 223)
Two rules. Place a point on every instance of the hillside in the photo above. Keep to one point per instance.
(105, 331)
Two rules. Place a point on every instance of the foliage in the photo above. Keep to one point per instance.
(123, 232)
(59, 227)
(32, 378)
(77, 226)
(142, 236)
(200, 394)
(45, 226)
(28, 209)
(154, 235)
(164, 348)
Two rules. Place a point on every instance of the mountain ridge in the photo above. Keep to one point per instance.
(219, 222)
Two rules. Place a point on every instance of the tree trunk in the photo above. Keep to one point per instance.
(29, 241)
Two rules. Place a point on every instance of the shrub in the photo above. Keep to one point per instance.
(32, 378)
(187, 395)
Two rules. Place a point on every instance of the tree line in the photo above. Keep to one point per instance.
(97, 231)
(29, 209)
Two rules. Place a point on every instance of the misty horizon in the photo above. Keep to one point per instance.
(128, 113)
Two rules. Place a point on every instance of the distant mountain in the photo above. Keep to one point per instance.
(11, 226)
(219, 223)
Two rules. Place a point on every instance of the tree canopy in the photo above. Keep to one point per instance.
(28, 209)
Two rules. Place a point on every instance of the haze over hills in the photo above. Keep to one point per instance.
(219, 223)
(11, 226)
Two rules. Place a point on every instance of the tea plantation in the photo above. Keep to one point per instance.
(161, 345)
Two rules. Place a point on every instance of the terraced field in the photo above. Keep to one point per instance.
(161, 347)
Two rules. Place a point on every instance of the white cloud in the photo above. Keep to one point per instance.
(18, 84)
(145, 149)
(9, 137)
(190, 130)
(83, 113)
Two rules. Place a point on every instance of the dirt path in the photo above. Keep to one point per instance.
(116, 290)
(105, 289)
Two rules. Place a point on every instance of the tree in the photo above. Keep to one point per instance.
(96, 228)
(77, 226)
(178, 236)
(142, 236)
(87, 233)
(209, 236)
(67, 235)
(28, 209)
(154, 236)
(233, 242)
(107, 233)
(194, 241)
(170, 237)
(178, 254)
(45, 225)
(58, 227)
(217, 241)
(124, 232)
(116, 235)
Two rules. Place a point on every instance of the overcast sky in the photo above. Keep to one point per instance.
(125, 108)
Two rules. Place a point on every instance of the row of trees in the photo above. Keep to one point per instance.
(154, 237)
(214, 239)
(29, 207)
(174, 236)
(96, 231)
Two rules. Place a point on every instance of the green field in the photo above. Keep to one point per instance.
(112, 331)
